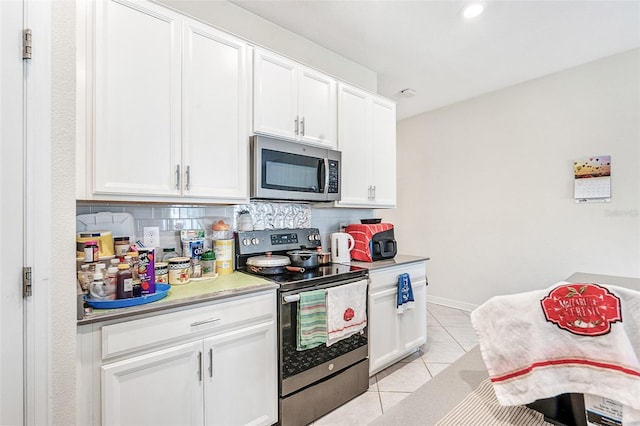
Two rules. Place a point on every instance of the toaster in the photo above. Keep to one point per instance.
(372, 241)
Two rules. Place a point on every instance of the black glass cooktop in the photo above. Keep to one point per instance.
(321, 275)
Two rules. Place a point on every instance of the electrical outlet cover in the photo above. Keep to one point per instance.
(151, 236)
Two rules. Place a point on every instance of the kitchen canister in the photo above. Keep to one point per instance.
(179, 270)
(162, 272)
(223, 250)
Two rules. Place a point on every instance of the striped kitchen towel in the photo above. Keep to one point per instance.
(312, 320)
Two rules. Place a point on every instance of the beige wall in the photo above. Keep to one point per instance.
(485, 187)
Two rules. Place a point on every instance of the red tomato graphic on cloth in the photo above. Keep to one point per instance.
(348, 314)
(583, 309)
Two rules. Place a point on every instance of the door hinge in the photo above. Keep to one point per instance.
(26, 43)
(26, 281)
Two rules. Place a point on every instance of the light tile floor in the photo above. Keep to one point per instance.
(449, 336)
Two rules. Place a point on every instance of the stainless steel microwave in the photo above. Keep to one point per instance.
(287, 170)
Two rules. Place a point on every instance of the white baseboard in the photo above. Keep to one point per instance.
(451, 303)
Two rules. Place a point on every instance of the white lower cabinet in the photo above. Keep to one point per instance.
(158, 388)
(393, 335)
(209, 365)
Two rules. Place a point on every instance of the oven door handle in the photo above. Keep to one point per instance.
(290, 298)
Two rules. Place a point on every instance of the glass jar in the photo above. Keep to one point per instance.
(121, 246)
(168, 253)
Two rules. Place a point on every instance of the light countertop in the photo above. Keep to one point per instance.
(400, 259)
(202, 290)
(223, 286)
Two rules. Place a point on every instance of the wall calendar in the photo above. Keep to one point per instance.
(592, 179)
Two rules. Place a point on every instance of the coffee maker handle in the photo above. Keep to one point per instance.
(352, 242)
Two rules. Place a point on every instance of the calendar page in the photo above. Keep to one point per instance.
(592, 179)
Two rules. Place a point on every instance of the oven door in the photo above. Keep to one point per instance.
(299, 369)
(293, 171)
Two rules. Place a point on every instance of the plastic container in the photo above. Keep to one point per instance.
(224, 256)
(98, 289)
(208, 263)
(111, 281)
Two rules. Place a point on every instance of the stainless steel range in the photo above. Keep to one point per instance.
(315, 381)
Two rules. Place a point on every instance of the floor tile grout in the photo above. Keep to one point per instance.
(432, 315)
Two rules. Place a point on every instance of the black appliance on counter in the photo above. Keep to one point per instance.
(373, 241)
(314, 381)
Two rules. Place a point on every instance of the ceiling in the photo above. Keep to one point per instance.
(426, 45)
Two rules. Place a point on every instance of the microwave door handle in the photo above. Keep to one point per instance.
(326, 176)
(323, 175)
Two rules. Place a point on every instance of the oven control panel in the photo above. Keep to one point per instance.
(254, 242)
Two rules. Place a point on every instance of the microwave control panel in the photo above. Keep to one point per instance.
(334, 184)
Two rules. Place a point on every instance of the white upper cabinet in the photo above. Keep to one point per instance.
(293, 101)
(214, 113)
(367, 140)
(137, 99)
(171, 107)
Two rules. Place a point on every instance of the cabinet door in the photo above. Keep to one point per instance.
(160, 388)
(414, 321)
(275, 95)
(317, 108)
(383, 150)
(136, 147)
(215, 126)
(241, 377)
(353, 130)
(384, 329)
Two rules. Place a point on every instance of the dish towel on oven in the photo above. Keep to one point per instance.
(346, 310)
(312, 320)
(405, 293)
(568, 338)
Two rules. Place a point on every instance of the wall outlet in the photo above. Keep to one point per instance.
(151, 236)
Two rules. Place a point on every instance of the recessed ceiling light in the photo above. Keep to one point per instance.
(472, 10)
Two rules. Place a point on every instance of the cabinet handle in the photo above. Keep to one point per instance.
(211, 362)
(200, 366)
(207, 321)
(178, 177)
(374, 192)
(369, 193)
(302, 126)
(188, 177)
(296, 123)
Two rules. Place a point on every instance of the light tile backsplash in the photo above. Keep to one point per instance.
(170, 219)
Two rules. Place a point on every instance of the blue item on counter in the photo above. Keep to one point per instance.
(161, 292)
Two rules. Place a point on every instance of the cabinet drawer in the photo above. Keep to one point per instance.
(387, 277)
(130, 336)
